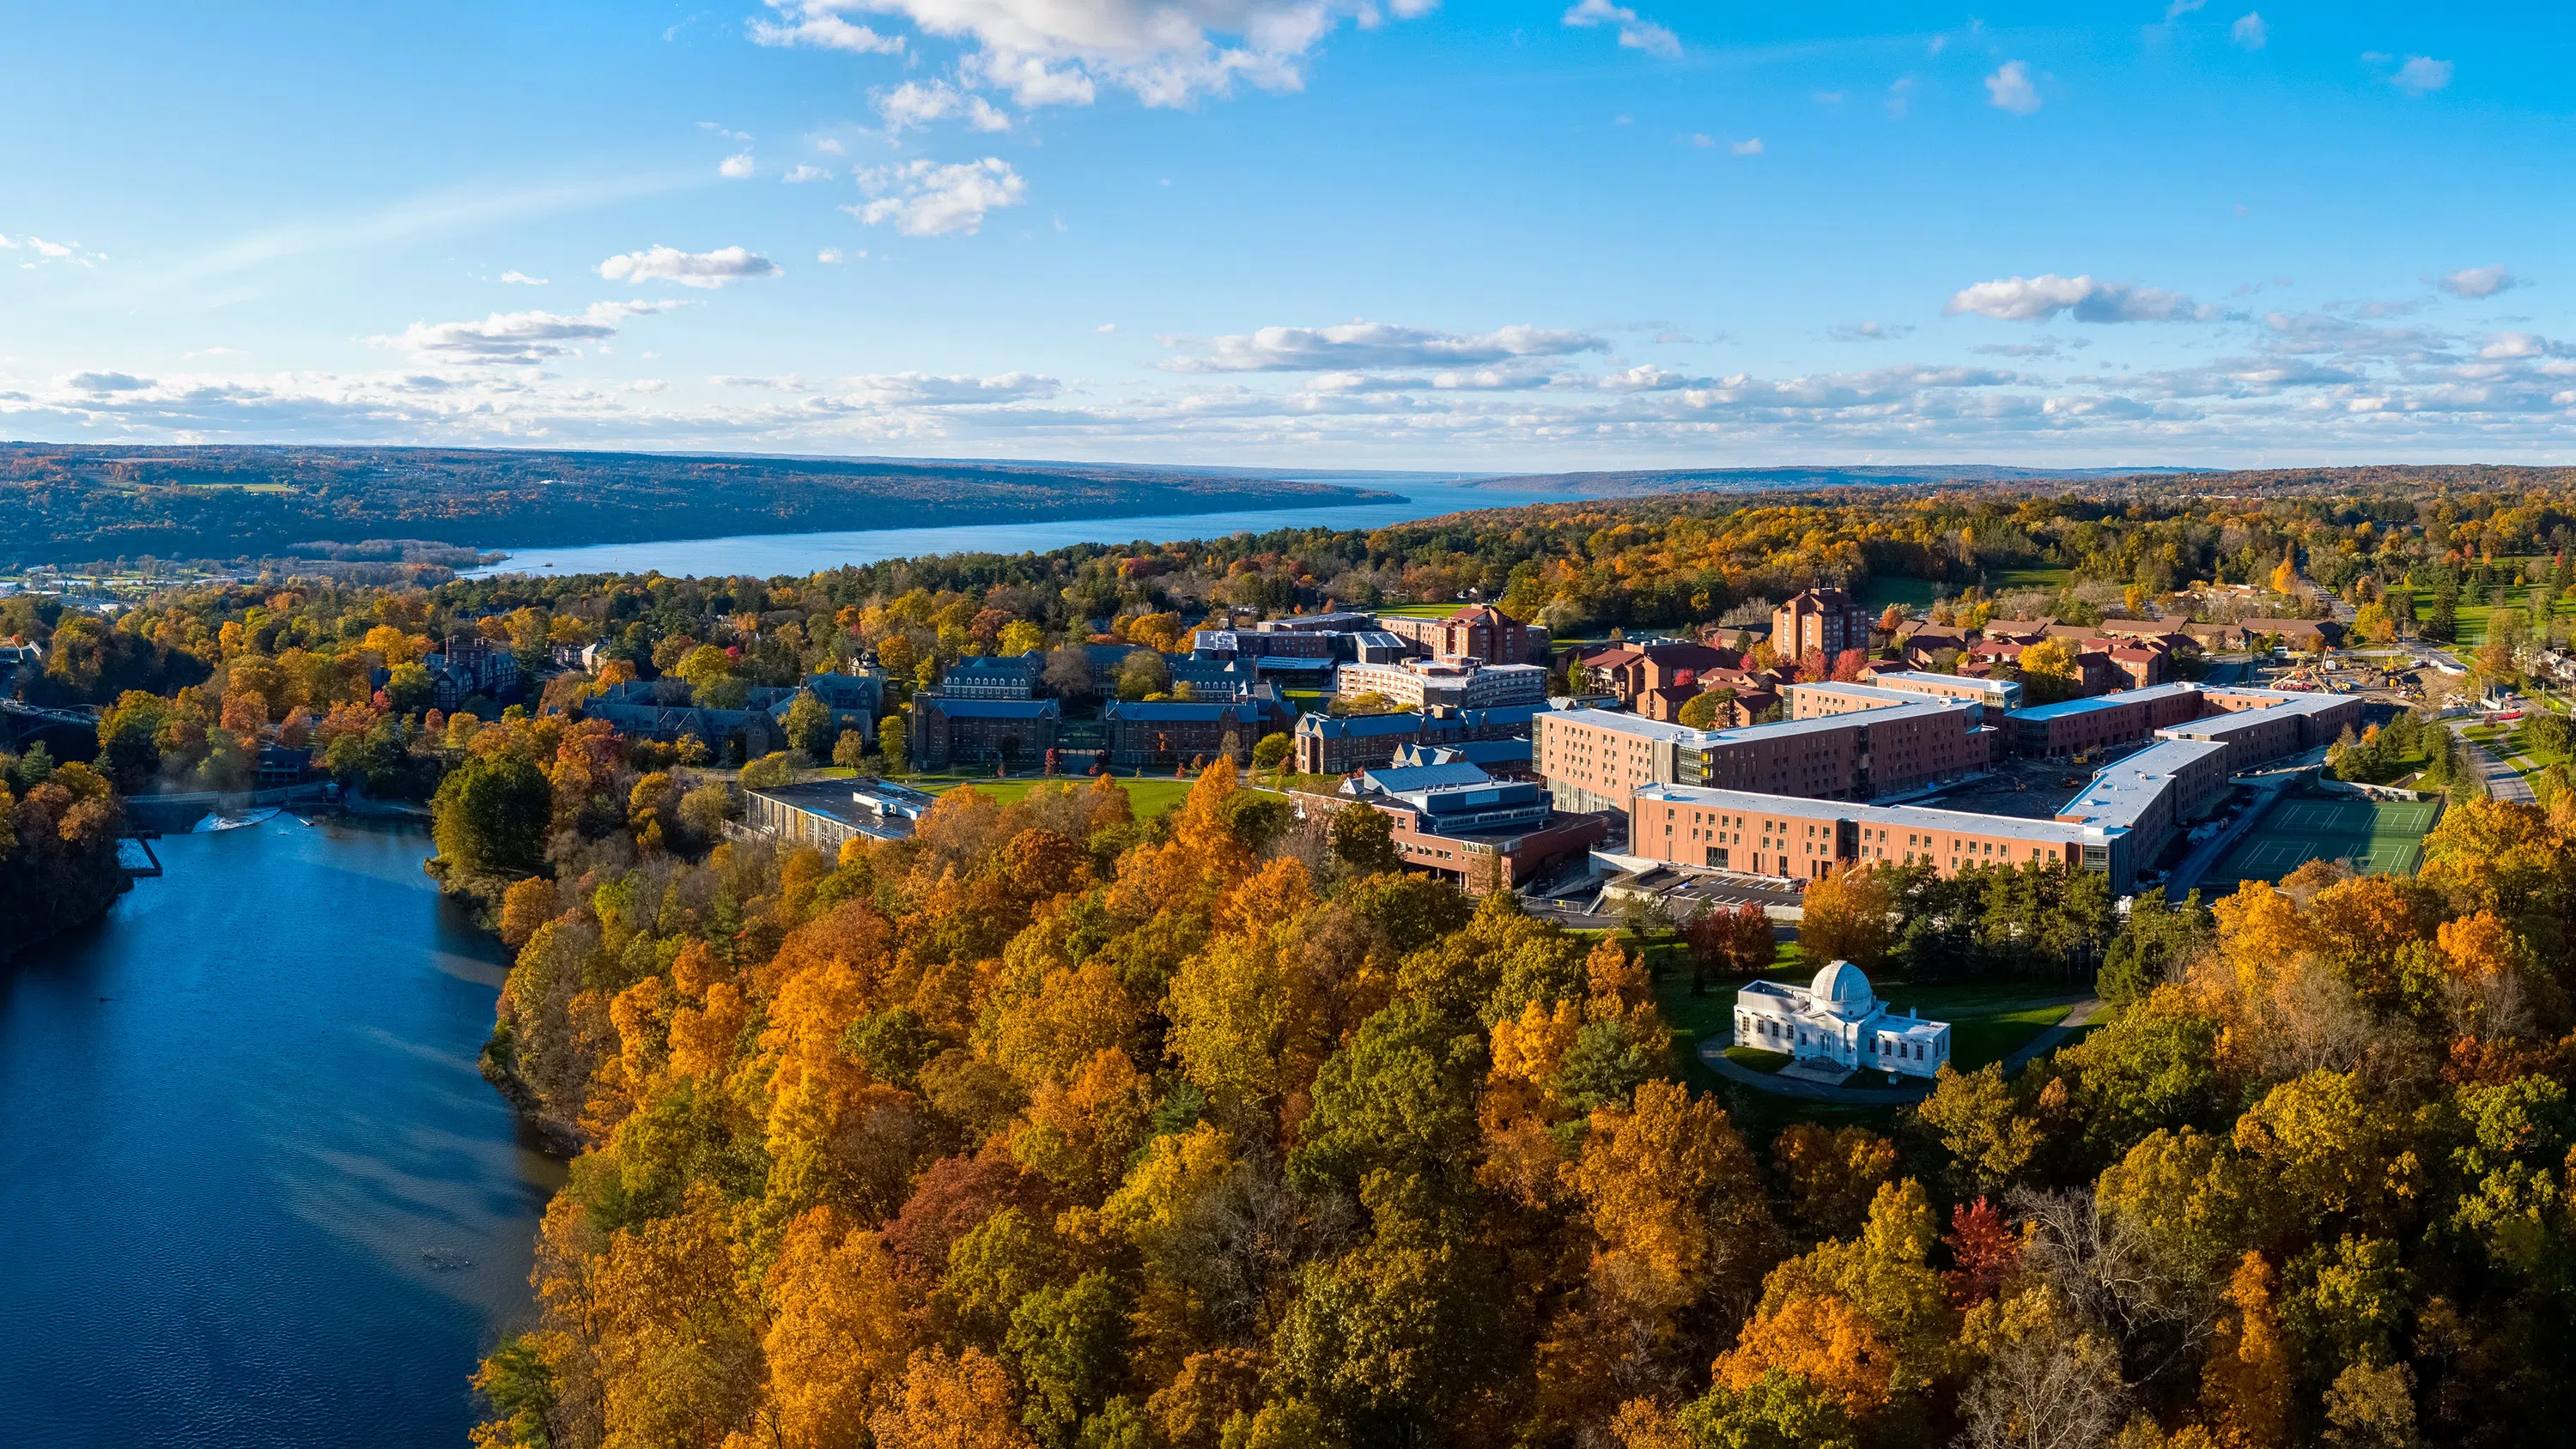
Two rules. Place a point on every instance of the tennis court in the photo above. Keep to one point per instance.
(2377, 837)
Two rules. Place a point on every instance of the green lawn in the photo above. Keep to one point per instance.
(1882, 591)
(1147, 797)
(2472, 613)
(1756, 1059)
(2007, 581)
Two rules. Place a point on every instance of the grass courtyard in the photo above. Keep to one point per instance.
(1147, 796)
(2378, 837)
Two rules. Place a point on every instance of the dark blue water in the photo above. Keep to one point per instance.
(252, 1189)
(768, 555)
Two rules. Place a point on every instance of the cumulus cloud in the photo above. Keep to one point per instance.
(689, 269)
(2421, 75)
(1047, 52)
(834, 256)
(801, 173)
(2040, 298)
(2249, 31)
(1376, 344)
(515, 338)
(1635, 32)
(1751, 147)
(818, 23)
(736, 168)
(522, 279)
(1868, 332)
(2476, 282)
(648, 384)
(914, 104)
(927, 198)
(2009, 89)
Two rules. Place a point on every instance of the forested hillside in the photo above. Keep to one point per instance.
(75, 504)
(1048, 1128)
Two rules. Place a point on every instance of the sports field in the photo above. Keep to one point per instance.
(2376, 836)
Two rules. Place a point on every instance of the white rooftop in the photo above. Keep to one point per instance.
(2122, 791)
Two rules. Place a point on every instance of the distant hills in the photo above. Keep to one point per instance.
(78, 503)
(1639, 483)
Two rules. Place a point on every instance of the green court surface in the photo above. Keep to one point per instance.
(2377, 837)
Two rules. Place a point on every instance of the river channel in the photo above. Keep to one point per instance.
(253, 1190)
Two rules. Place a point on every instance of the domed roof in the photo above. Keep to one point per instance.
(1842, 988)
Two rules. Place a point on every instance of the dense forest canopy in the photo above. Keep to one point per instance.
(63, 503)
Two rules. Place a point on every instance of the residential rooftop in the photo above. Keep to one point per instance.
(2064, 708)
(2124, 790)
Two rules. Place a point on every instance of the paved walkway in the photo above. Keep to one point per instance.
(2503, 782)
(1712, 1053)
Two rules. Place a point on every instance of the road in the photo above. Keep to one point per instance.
(2503, 782)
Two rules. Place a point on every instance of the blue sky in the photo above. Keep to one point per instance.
(1299, 232)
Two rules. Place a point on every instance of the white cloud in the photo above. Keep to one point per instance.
(107, 382)
(2180, 8)
(2421, 75)
(515, 338)
(783, 382)
(815, 23)
(1634, 33)
(915, 104)
(522, 279)
(648, 384)
(1376, 344)
(801, 173)
(2038, 299)
(1900, 97)
(834, 256)
(2009, 89)
(1049, 52)
(47, 251)
(689, 269)
(1751, 147)
(1868, 332)
(917, 389)
(2249, 31)
(1106, 327)
(2477, 282)
(1703, 140)
(926, 198)
(735, 168)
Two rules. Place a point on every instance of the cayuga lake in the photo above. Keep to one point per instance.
(769, 555)
(254, 1190)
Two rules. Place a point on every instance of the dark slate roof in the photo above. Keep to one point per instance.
(1177, 709)
(955, 708)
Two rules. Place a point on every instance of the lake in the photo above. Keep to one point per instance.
(256, 1193)
(768, 555)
